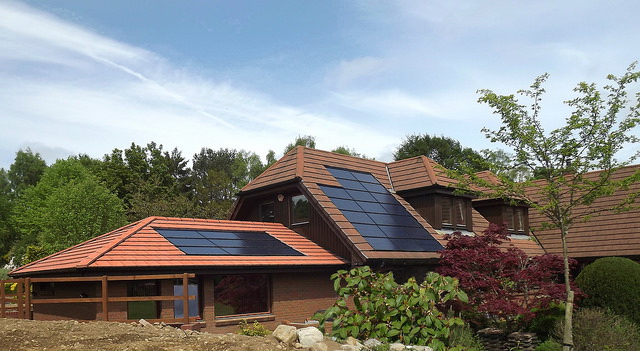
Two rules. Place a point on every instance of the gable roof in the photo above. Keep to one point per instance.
(308, 167)
(608, 233)
(141, 245)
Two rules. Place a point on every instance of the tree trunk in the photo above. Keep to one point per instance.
(567, 338)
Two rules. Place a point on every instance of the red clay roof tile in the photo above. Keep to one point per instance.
(140, 245)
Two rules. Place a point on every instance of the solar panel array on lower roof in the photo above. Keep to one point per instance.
(229, 243)
(376, 214)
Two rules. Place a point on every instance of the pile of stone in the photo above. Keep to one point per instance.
(311, 339)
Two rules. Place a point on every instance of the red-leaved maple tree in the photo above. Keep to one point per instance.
(505, 286)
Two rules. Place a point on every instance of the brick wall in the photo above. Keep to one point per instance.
(295, 297)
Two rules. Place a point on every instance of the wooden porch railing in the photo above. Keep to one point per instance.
(19, 304)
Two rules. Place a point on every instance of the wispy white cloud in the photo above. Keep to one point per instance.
(67, 87)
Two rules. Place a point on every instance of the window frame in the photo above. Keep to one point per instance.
(272, 215)
(292, 202)
(457, 211)
(236, 316)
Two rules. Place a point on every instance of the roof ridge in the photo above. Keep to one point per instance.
(67, 249)
(429, 169)
(133, 228)
(300, 161)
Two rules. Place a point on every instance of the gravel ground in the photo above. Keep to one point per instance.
(18, 334)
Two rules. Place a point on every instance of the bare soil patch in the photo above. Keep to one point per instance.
(17, 334)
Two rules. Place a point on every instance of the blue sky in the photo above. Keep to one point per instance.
(90, 76)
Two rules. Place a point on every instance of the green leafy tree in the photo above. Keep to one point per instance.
(447, 152)
(7, 233)
(304, 140)
(502, 163)
(345, 150)
(25, 171)
(217, 175)
(601, 124)
(66, 207)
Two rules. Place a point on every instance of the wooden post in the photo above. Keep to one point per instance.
(2, 301)
(20, 297)
(27, 298)
(105, 298)
(185, 297)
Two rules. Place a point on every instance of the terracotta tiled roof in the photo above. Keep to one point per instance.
(418, 172)
(605, 234)
(140, 245)
(308, 166)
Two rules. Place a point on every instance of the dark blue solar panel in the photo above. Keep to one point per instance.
(218, 235)
(217, 243)
(358, 217)
(386, 199)
(211, 250)
(394, 209)
(375, 188)
(351, 205)
(361, 195)
(365, 177)
(352, 185)
(341, 173)
(378, 216)
(190, 241)
(371, 207)
(335, 193)
(368, 230)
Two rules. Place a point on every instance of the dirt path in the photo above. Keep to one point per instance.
(16, 334)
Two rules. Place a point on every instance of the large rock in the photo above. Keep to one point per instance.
(396, 346)
(309, 336)
(371, 343)
(286, 334)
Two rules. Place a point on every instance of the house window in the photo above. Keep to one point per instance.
(267, 212)
(299, 209)
(142, 309)
(454, 212)
(515, 219)
(241, 294)
(178, 305)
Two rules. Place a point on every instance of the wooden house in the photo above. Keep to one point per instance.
(311, 213)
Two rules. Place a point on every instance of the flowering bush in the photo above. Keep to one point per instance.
(505, 285)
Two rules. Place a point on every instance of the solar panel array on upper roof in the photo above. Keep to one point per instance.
(376, 214)
(221, 243)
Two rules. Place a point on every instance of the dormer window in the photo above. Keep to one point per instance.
(454, 212)
(501, 213)
(515, 219)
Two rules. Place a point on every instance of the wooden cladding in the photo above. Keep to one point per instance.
(443, 211)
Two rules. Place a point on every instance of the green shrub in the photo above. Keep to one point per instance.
(612, 283)
(596, 329)
(545, 320)
(4, 273)
(410, 313)
(549, 345)
(255, 329)
(464, 338)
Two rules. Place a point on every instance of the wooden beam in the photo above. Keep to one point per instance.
(20, 298)
(27, 300)
(185, 297)
(2, 301)
(105, 298)
(111, 278)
